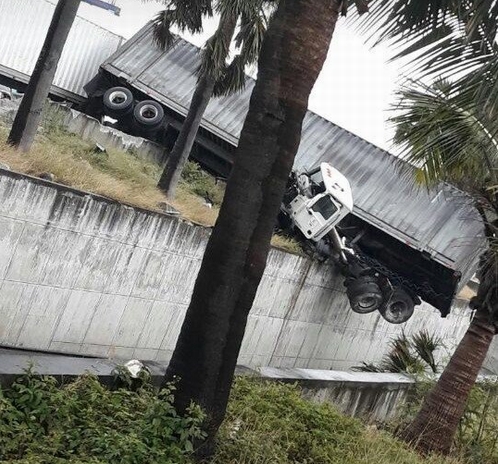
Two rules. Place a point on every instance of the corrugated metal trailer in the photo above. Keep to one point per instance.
(23, 27)
(442, 223)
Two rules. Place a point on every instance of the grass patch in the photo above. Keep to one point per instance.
(287, 244)
(267, 423)
(74, 162)
(270, 423)
(115, 174)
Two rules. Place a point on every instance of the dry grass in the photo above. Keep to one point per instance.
(73, 162)
(287, 244)
(193, 207)
(115, 174)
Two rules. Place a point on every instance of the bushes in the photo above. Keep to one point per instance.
(408, 355)
(476, 441)
(477, 436)
(267, 423)
(87, 422)
(200, 183)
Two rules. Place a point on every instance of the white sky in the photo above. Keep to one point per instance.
(354, 89)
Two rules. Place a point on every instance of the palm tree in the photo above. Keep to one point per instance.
(293, 52)
(215, 77)
(451, 138)
(23, 131)
(449, 131)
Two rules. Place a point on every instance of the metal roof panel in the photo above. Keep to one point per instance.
(23, 27)
(441, 222)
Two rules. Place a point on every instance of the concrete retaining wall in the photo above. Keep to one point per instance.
(371, 396)
(83, 274)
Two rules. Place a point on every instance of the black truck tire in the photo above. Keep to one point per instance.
(118, 102)
(399, 308)
(148, 115)
(364, 295)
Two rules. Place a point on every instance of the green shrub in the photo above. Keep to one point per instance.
(476, 440)
(199, 182)
(86, 422)
(409, 355)
(477, 436)
(267, 423)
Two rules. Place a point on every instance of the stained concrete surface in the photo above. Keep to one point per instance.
(86, 275)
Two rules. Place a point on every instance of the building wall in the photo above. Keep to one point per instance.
(83, 274)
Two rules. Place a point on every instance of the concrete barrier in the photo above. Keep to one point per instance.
(370, 396)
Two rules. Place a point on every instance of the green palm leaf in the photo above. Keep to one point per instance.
(445, 135)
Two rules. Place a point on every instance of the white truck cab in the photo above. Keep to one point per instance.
(314, 204)
(323, 199)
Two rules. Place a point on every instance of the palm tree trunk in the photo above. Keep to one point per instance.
(23, 131)
(292, 56)
(434, 427)
(186, 138)
(200, 100)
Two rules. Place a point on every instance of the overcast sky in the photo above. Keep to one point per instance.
(354, 89)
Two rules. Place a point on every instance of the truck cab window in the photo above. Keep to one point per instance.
(325, 206)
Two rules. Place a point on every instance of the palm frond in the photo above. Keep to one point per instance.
(248, 41)
(440, 36)
(445, 135)
(233, 78)
(217, 48)
(426, 345)
(484, 83)
(250, 36)
(400, 357)
(162, 34)
(186, 15)
(252, 17)
(410, 355)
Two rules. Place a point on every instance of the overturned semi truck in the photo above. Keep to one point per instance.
(314, 205)
(397, 245)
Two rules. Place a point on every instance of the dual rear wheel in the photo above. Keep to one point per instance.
(146, 116)
(366, 296)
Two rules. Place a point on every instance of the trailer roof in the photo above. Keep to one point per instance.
(442, 222)
(23, 27)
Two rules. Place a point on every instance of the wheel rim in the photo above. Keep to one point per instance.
(148, 112)
(118, 97)
(397, 312)
(366, 303)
